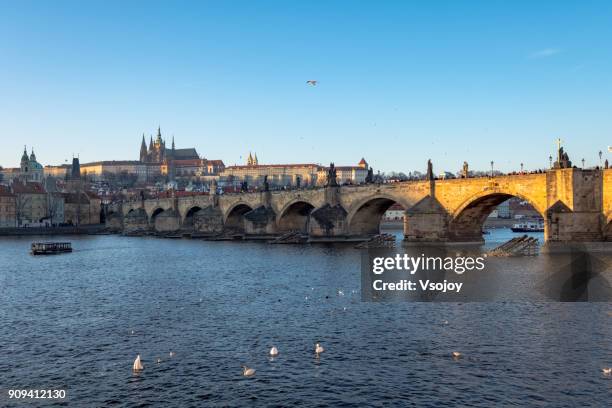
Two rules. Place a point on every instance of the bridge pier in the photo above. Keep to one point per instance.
(260, 221)
(208, 220)
(426, 221)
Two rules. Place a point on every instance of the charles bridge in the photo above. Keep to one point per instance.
(576, 205)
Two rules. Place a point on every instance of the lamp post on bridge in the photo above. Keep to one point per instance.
(521, 168)
(550, 161)
(600, 154)
(492, 168)
(582, 163)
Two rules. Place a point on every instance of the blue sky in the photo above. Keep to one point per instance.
(399, 81)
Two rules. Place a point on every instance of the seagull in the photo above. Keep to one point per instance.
(248, 372)
(158, 360)
(138, 364)
(607, 370)
(319, 348)
(172, 354)
(312, 82)
(456, 354)
(273, 351)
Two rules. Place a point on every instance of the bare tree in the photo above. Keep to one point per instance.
(22, 202)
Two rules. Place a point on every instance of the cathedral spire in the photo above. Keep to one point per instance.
(159, 134)
(143, 149)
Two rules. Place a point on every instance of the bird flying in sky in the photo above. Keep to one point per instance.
(311, 82)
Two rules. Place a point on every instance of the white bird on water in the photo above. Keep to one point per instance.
(248, 372)
(607, 370)
(456, 354)
(138, 364)
(319, 348)
(172, 354)
(273, 351)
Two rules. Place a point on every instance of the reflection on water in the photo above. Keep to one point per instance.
(77, 322)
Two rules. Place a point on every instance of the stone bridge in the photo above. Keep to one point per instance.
(576, 205)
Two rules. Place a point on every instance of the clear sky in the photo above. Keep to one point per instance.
(399, 81)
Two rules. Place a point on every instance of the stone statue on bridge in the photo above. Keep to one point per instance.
(331, 176)
(563, 161)
(298, 181)
(606, 164)
(429, 175)
(266, 185)
(370, 177)
(465, 171)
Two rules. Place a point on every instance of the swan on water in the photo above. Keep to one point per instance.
(607, 370)
(273, 351)
(319, 348)
(172, 354)
(158, 360)
(247, 372)
(456, 354)
(138, 364)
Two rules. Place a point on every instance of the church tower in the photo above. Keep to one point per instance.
(143, 150)
(24, 158)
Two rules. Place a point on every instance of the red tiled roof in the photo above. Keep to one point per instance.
(396, 207)
(187, 162)
(345, 168)
(28, 188)
(5, 191)
(362, 161)
(262, 166)
(166, 194)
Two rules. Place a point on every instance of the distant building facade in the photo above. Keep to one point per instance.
(30, 203)
(346, 174)
(279, 175)
(7, 208)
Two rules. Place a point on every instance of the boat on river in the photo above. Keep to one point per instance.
(50, 248)
(528, 227)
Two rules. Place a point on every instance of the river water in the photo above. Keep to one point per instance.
(77, 321)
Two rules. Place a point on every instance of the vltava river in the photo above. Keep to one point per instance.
(77, 321)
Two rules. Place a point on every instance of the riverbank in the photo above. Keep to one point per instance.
(68, 230)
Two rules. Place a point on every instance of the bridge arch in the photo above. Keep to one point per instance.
(365, 216)
(234, 218)
(295, 216)
(154, 214)
(188, 218)
(467, 221)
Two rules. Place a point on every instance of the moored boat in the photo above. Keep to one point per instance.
(50, 248)
(528, 227)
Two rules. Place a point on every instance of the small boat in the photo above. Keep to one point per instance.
(528, 227)
(50, 248)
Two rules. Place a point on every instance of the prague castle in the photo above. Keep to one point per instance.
(159, 153)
